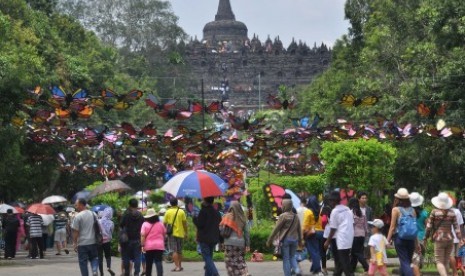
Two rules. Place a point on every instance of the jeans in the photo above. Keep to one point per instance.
(323, 253)
(404, 250)
(341, 260)
(104, 248)
(152, 256)
(131, 251)
(207, 255)
(289, 261)
(313, 248)
(88, 253)
(358, 254)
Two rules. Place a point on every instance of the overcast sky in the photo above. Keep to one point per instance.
(307, 20)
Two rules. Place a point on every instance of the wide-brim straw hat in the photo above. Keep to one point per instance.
(402, 193)
(416, 199)
(442, 201)
(150, 213)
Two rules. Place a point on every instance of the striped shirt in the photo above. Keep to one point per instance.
(60, 223)
(35, 223)
(439, 225)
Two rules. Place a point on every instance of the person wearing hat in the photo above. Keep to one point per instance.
(404, 247)
(440, 221)
(377, 244)
(422, 215)
(152, 240)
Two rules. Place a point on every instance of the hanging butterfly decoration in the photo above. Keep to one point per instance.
(111, 100)
(62, 99)
(275, 103)
(351, 101)
(34, 96)
(304, 122)
(146, 131)
(74, 112)
(431, 112)
(275, 194)
(196, 107)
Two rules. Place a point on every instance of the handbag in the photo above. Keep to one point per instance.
(98, 231)
(279, 247)
(225, 231)
(169, 227)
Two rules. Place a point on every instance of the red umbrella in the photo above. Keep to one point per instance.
(19, 209)
(42, 209)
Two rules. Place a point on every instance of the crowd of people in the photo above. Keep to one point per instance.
(352, 235)
(348, 232)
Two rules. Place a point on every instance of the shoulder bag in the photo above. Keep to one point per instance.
(98, 231)
(169, 227)
(278, 248)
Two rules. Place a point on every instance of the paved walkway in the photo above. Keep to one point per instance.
(67, 265)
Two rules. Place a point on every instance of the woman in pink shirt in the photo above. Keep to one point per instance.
(153, 241)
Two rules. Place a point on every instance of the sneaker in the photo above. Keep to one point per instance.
(66, 251)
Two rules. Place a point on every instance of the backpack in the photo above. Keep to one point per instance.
(407, 225)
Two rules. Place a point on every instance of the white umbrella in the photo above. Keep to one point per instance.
(141, 194)
(54, 199)
(5, 207)
(47, 219)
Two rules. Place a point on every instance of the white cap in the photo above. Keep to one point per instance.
(377, 223)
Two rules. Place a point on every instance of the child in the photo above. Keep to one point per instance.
(377, 245)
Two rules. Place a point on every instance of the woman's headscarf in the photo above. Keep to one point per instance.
(106, 221)
(314, 205)
(235, 218)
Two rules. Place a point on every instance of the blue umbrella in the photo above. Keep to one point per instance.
(81, 194)
(98, 208)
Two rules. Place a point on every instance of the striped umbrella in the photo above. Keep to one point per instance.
(196, 184)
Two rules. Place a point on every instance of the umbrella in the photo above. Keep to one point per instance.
(39, 208)
(110, 186)
(98, 208)
(54, 199)
(5, 207)
(197, 184)
(19, 210)
(81, 194)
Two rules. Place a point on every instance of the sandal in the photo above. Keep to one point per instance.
(177, 269)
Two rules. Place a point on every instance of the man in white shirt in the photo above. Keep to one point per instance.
(341, 235)
(455, 249)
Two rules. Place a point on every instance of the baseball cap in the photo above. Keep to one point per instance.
(377, 223)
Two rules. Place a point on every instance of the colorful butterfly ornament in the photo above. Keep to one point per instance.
(351, 101)
(34, 95)
(275, 103)
(62, 99)
(304, 122)
(147, 131)
(111, 100)
(275, 194)
(431, 112)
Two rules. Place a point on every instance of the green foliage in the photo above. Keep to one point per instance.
(366, 165)
(259, 234)
(157, 197)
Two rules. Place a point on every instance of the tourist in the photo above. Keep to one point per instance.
(341, 223)
(10, 230)
(455, 250)
(313, 233)
(377, 244)
(289, 232)
(404, 247)
(367, 211)
(153, 242)
(360, 234)
(36, 242)
(461, 204)
(131, 223)
(21, 232)
(439, 229)
(238, 243)
(60, 224)
(107, 227)
(422, 215)
(175, 218)
(84, 240)
(325, 215)
(301, 210)
(208, 233)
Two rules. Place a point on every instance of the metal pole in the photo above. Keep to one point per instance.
(203, 107)
(259, 93)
